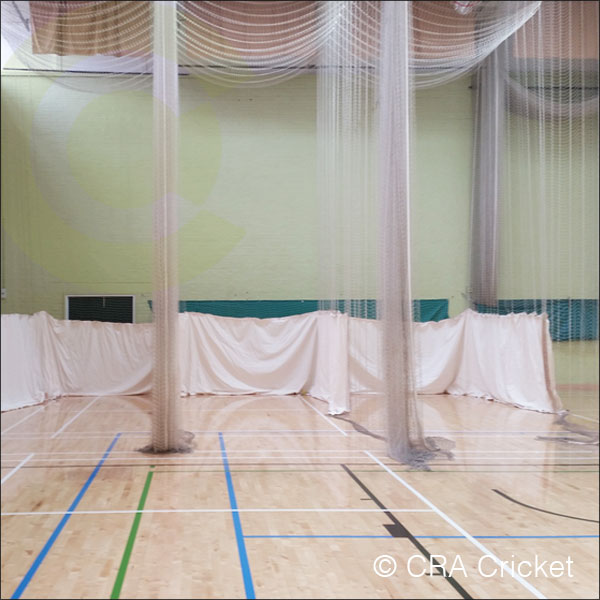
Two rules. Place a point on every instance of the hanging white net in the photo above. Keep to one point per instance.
(535, 209)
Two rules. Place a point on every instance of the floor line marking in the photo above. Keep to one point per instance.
(15, 469)
(316, 468)
(495, 432)
(424, 537)
(194, 452)
(466, 461)
(324, 417)
(68, 436)
(532, 459)
(458, 528)
(543, 510)
(71, 452)
(579, 451)
(75, 417)
(241, 432)
(398, 529)
(237, 524)
(584, 418)
(333, 536)
(200, 457)
(509, 537)
(35, 412)
(212, 510)
(116, 591)
(66, 516)
(238, 410)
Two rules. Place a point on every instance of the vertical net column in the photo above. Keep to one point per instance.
(165, 389)
(487, 169)
(404, 435)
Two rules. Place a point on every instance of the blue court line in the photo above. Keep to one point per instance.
(40, 557)
(320, 536)
(237, 524)
(429, 537)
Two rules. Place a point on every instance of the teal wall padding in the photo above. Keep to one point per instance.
(570, 319)
(424, 310)
(260, 309)
(430, 310)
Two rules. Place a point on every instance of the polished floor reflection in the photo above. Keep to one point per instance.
(280, 500)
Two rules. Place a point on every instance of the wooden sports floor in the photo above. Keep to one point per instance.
(279, 500)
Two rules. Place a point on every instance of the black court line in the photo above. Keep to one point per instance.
(549, 512)
(398, 530)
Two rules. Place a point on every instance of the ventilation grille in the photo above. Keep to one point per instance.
(111, 309)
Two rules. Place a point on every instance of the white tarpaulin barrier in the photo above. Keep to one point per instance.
(324, 354)
(44, 358)
(506, 358)
(288, 355)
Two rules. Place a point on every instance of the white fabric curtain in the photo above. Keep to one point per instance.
(325, 354)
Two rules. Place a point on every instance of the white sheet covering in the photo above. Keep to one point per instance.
(288, 355)
(44, 358)
(506, 358)
(325, 354)
(22, 378)
(491, 365)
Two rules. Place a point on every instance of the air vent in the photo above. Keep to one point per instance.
(111, 309)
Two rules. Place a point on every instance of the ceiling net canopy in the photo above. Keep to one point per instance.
(250, 43)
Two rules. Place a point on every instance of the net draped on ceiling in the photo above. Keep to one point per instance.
(369, 58)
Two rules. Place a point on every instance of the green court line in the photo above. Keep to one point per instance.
(116, 592)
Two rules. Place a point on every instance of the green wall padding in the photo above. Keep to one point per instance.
(570, 319)
(424, 310)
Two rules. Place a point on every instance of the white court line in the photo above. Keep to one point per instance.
(214, 510)
(203, 431)
(23, 419)
(585, 418)
(140, 411)
(264, 458)
(323, 416)
(237, 410)
(531, 459)
(206, 453)
(483, 432)
(580, 451)
(241, 432)
(458, 528)
(64, 436)
(75, 417)
(469, 436)
(292, 452)
(9, 475)
(306, 457)
(98, 453)
(153, 458)
(78, 433)
(193, 453)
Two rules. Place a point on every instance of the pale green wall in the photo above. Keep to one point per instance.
(77, 191)
(441, 205)
(549, 217)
